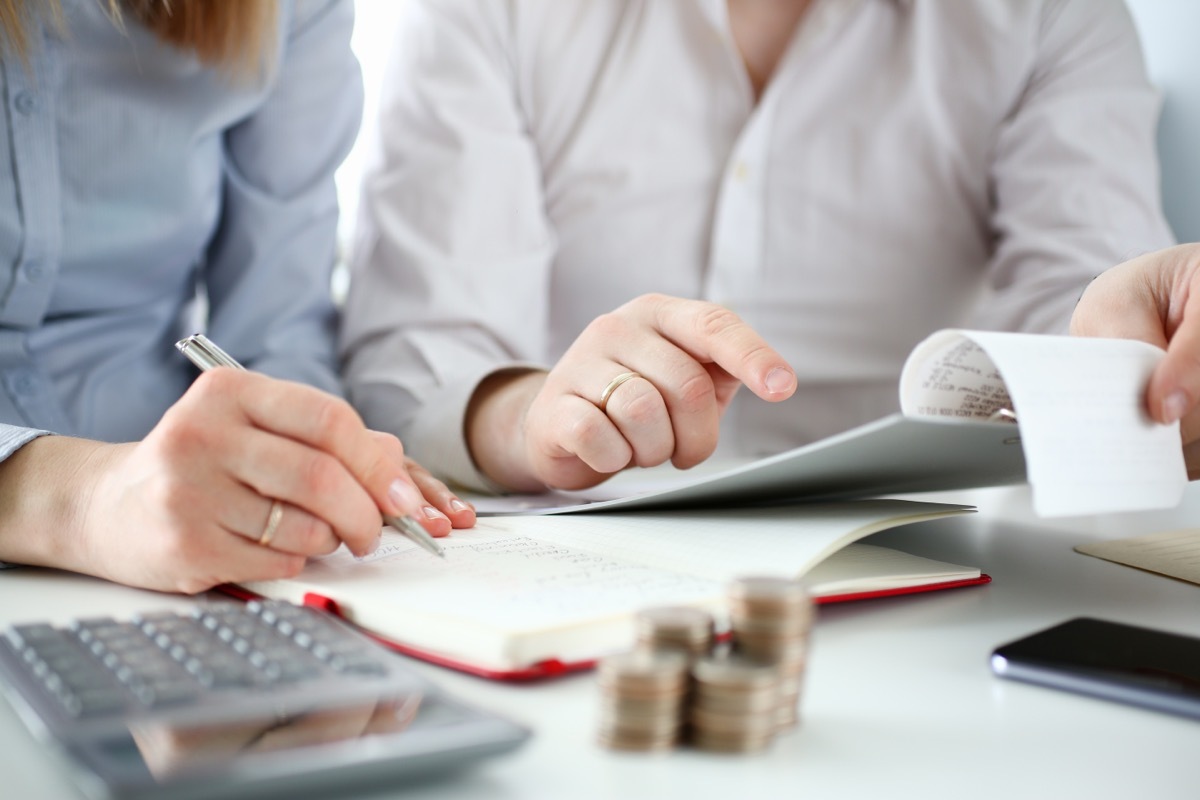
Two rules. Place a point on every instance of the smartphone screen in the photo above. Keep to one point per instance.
(1152, 668)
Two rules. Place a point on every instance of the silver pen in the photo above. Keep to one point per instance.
(206, 355)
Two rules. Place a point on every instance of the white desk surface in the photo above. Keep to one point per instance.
(899, 700)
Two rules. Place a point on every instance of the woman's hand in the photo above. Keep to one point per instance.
(242, 479)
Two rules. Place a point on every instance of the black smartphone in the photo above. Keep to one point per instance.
(1130, 664)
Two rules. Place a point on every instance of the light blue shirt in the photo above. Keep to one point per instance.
(133, 179)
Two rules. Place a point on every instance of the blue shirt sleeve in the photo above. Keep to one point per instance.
(145, 196)
(269, 267)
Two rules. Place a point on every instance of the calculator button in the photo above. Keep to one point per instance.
(173, 692)
(100, 700)
(70, 704)
(218, 656)
(296, 670)
(23, 636)
(228, 677)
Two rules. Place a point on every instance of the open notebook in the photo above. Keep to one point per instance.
(522, 597)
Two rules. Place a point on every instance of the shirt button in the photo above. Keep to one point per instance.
(32, 271)
(741, 171)
(25, 102)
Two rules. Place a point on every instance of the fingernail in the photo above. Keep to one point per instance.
(433, 513)
(404, 494)
(459, 505)
(780, 380)
(1174, 406)
(369, 549)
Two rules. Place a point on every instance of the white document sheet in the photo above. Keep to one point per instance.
(1089, 445)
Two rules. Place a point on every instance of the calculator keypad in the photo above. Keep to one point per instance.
(103, 666)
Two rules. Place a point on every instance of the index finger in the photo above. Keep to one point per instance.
(711, 333)
(330, 424)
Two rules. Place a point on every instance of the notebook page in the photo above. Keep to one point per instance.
(500, 579)
(495, 596)
(721, 544)
(881, 568)
(1089, 445)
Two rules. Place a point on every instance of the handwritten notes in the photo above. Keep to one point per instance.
(505, 579)
(1089, 445)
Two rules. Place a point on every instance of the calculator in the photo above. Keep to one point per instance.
(236, 700)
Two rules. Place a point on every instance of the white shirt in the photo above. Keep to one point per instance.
(911, 166)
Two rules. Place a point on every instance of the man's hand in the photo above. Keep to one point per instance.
(1156, 298)
(688, 358)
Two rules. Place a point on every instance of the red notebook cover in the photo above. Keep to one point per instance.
(553, 667)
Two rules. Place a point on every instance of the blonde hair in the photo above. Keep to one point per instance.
(233, 34)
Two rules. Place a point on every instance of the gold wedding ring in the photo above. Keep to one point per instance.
(612, 387)
(273, 520)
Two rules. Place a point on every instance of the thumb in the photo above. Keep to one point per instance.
(1175, 385)
(1154, 298)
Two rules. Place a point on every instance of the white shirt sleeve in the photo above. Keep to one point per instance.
(454, 238)
(1075, 169)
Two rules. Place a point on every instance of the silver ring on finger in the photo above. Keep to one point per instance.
(272, 526)
(612, 387)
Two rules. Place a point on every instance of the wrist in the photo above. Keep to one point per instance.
(45, 489)
(495, 428)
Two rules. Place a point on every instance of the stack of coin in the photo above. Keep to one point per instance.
(675, 628)
(770, 619)
(642, 699)
(734, 704)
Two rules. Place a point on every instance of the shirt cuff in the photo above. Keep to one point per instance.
(13, 438)
(439, 440)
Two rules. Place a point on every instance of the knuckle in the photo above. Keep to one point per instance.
(650, 300)
(307, 530)
(320, 475)
(314, 535)
(696, 391)
(588, 429)
(382, 467)
(335, 419)
(643, 407)
(714, 321)
(607, 326)
(391, 444)
(180, 436)
(327, 545)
